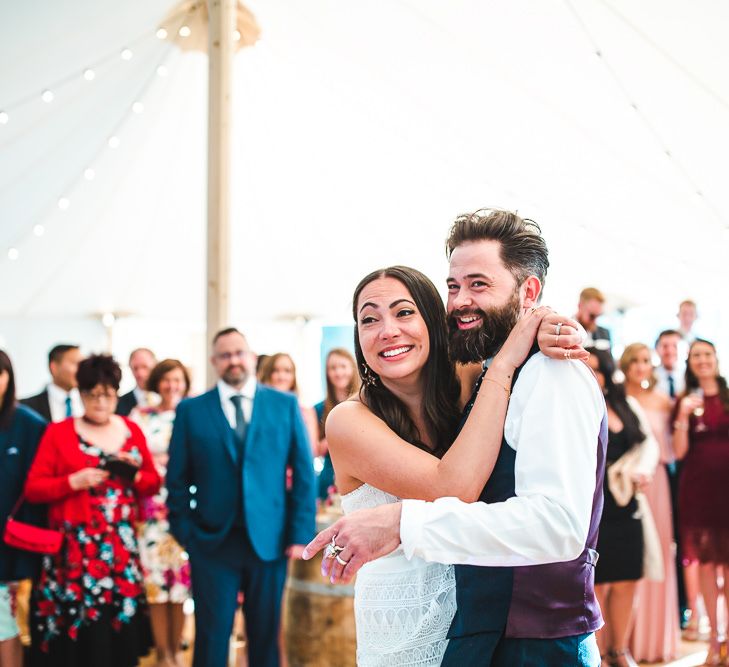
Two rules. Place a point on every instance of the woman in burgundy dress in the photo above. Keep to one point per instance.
(89, 599)
(701, 435)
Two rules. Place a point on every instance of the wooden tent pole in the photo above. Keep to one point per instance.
(220, 53)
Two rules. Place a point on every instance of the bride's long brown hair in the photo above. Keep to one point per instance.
(441, 388)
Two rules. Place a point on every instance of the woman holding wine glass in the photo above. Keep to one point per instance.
(701, 438)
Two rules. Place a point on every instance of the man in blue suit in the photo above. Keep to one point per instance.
(229, 505)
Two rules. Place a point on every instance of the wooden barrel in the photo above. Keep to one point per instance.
(318, 615)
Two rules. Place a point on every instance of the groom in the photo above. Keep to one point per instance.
(525, 554)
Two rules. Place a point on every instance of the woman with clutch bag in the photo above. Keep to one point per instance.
(20, 432)
(632, 456)
(89, 599)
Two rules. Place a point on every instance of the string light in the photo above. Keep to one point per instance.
(184, 31)
(89, 74)
(108, 319)
(236, 35)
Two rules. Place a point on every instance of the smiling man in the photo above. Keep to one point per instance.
(525, 553)
(229, 504)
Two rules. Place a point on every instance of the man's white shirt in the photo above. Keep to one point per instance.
(679, 380)
(247, 391)
(57, 402)
(553, 423)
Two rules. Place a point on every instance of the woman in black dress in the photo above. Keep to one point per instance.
(620, 542)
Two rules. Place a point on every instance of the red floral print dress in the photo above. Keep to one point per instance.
(93, 590)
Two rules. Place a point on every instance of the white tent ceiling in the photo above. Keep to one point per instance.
(361, 130)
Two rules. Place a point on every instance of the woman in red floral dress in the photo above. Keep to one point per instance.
(89, 605)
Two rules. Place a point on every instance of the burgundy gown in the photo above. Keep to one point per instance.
(704, 487)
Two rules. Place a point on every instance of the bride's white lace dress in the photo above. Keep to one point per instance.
(403, 608)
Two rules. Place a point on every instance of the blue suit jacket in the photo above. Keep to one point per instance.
(203, 455)
(18, 445)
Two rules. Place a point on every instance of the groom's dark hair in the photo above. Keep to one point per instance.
(522, 250)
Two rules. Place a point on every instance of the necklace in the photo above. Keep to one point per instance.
(95, 423)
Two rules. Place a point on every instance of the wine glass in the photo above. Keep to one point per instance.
(699, 410)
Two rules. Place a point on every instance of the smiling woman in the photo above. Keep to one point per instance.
(397, 438)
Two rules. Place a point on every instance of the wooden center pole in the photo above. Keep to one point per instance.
(220, 54)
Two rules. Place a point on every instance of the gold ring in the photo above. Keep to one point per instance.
(567, 354)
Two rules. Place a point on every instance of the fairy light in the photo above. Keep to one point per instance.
(47, 96)
(114, 142)
(236, 35)
(89, 74)
(64, 203)
(126, 54)
(184, 31)
(89, 174)
(39, 230)
(137, 107)
(4, 118)
(161, 34)
(13, 254)
(162, 71)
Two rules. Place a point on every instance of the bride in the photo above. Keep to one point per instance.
(397, 439)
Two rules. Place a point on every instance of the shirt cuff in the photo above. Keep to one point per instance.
(412, 517)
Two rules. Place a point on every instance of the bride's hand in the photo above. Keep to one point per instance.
(561, 337)
(521, 339)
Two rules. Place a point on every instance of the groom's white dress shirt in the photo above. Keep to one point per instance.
(553, 423)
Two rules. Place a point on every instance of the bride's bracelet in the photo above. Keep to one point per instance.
(498, 384)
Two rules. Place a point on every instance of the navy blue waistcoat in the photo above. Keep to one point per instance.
(539, 601)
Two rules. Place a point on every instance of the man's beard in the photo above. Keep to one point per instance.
(475, 345)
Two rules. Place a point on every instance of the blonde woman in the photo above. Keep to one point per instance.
(342, 382)
(656, 633)
(279, 371)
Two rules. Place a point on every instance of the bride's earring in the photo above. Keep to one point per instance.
(368, 377)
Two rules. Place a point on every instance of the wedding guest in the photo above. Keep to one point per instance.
(670, 373)
(279, 372)
(632, 455)
(701, 438)
(165, 563)
(89, 600)
(60, 398)
(656, 631)
(687, 316)
(590, 306)
(20, 432)
(235, 443)
(141, 363)
(342, 382)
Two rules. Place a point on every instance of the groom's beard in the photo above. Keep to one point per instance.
(474, 345)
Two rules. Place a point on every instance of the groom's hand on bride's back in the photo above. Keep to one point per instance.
(364, 535)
